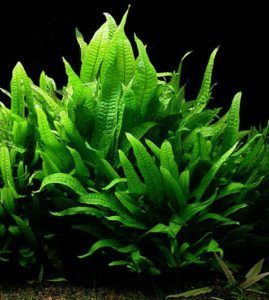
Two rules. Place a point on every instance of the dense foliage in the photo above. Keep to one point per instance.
(120, 161)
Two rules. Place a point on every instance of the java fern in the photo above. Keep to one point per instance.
(151, 180)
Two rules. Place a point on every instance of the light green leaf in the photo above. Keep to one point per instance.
(66, 180)
(148, 169)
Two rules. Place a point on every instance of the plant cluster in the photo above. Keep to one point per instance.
(118, 156)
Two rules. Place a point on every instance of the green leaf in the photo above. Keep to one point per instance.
(255, 270)
(5, 167)
(204, 93)
(171, 230)
(113, 183)
(192, 293)
(173, 188)
(25, 229)
(94, 54)
(64, 179)
(129, 203)
(73, 211)
(17, 94)
(228, 273)
(109, 243)
(199, 192)
(82, 43)
(54, 148)
(105, 201)
(125, 60)
(168, 160)
(149, 171)
(133, 181)
(107, 109)
(80, 167)
(145, 79)
(230, 135)
(138, 132)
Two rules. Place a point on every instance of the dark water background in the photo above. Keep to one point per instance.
(39, 33)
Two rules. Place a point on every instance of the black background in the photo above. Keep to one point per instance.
(39, 33)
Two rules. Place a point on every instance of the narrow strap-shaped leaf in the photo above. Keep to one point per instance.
(204, 93)
(148, 169)
(173, 188)
(179, 70)
(230, 135)
(168, 160)
(66, 180)
(113, 48)
(145, 79)
(255, 270)
(107, 110)
(80, 167)
(25, 230)
(54, 107)
(5, 167)
(17, 95)
(51, 145)
(105, 201)
(127, 222)
(73, 135)
(129, 203)
(138, 132)
(109, 243)
(114, 183)
(94, 54)
(199, 192)
(184, 181)
(189, 211)
(131, 111)
(125, 59)
(154, 148)
(133, 181)
(7, 199)
(82, 43)
(73, 211)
